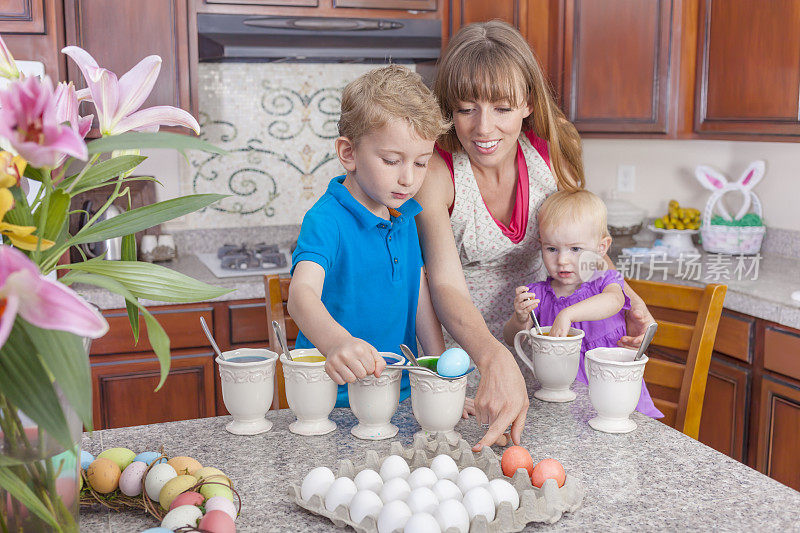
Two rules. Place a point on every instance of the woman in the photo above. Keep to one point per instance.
(510, 146)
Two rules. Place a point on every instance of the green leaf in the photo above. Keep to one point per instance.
(153, 282)
(144, 217)
(163, 140)
(25, 382)
(155, 333)
(56, 215)
(129, 254)
(21, 214)
(33, 173)
(18, 489)
(101, 173)
(65, 357)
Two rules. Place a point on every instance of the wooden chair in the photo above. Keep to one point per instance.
(687, 323)
(276, 292)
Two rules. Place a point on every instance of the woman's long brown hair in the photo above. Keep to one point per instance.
(491, 61)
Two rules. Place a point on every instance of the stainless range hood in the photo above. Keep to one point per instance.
(258, 38)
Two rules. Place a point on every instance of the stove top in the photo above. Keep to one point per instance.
(246, 260)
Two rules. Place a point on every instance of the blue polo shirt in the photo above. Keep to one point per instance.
(372, 270)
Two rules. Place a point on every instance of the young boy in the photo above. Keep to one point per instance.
(358, 284)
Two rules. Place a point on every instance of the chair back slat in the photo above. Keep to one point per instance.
(276, 293)
(676, 302)
(664, 373)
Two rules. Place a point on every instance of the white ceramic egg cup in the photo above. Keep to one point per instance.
(546, 505)
(554, 363)
(310, 393)
(437, 403)
(247, 389)
(615, 384)
(375, 400)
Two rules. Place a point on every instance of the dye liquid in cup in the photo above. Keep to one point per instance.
(247, 359)
(309, 359)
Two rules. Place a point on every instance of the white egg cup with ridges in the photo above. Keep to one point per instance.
(247, 389)
(375, 400)
(554, 363)
(615, 384)
(437, 403)
(310, 393)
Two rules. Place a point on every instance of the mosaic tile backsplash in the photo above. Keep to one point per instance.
(278, 122)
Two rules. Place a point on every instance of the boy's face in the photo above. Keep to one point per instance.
(387, 166)
(565, 246)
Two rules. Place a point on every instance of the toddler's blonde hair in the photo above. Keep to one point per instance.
(392, 92)
(574, 207)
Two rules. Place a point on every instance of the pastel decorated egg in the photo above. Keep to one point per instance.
(173, 488)
(471, 477)
(393, 516)
(103, 475)
(503, 491)
(156, 478)
(365, 503)
(316, 482)
(444, 467)
(149, 457)
(130, 482)
(86, 459)
(546, 469)
(339, 493)
(478, 501)
(157, 530)
(218, 484)
(185, 515)
(444, 489)
(422, 500)
(370, 480)
(453, 362)
(189, 497)
(422, 477)
(217, 522)
(394, 466)
(452, 513)
(218, 503)
(422, 523)
(185, 465)
(122, 456)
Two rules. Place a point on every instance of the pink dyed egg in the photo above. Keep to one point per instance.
(187, 498)
(220, 503)
(217, 522)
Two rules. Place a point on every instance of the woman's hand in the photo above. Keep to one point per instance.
(561, 325)
(469, 410)
(524, 302)
(637, 319)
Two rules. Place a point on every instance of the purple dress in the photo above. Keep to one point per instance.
(597, 333)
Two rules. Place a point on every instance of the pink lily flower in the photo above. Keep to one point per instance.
(67, 102)
(42, 302)
(8, 67)
(117, 101)
(29, 121)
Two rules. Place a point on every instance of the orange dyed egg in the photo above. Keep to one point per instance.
(514, 458)
(548, 469)
(185, 465)
(103, 475)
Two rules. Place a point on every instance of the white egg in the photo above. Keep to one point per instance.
(444, 467)
(369, 479)
(365, 503)
(478, 501)
(181, 516)
(444, 489)
(422, 477)
(393, 516)
(503, 491)
(471, 477)
(422, 500)
(395, 489)
(422, 523)
(394, 466)
(452, 513)
(157, 478)
(317, 482)
(340, 492)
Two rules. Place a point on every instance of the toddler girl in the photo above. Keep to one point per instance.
(578, 291)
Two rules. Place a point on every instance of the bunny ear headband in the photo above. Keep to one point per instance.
(716, 182)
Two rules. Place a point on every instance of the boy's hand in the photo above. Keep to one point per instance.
(524, 302)
(561, 325)
(352, 360)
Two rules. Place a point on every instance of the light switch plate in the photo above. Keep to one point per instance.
(626, 178)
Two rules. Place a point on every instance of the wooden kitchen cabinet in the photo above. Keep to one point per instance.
(779, 431)
(723, 425)
(119, 34)
(416, 5)
(33, 30)
(748, 68)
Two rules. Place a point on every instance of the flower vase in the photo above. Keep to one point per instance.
(32, 457)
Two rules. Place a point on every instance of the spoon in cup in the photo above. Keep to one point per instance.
(281, 339)
(210, 337)
(648, 337)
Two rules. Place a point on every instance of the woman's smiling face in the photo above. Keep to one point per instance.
(488, 131)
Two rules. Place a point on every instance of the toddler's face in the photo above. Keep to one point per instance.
(388, 166)
(564, 247)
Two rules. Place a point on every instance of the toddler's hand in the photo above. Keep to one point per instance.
(561, 325)
(524, 302)
(352, 360)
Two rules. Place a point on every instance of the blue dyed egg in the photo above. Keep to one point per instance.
(453, 362)
(86, 459)
(149, 457)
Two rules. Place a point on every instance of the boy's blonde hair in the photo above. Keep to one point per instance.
(492, 61)
(392, 92)
(574, 207)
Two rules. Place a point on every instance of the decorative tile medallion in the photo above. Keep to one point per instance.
(278, 122)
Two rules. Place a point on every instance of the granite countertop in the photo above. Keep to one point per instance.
(652, 479)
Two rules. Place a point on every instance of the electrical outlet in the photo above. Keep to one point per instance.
(626, 178)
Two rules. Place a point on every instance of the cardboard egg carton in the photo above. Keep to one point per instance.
(545, 505)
